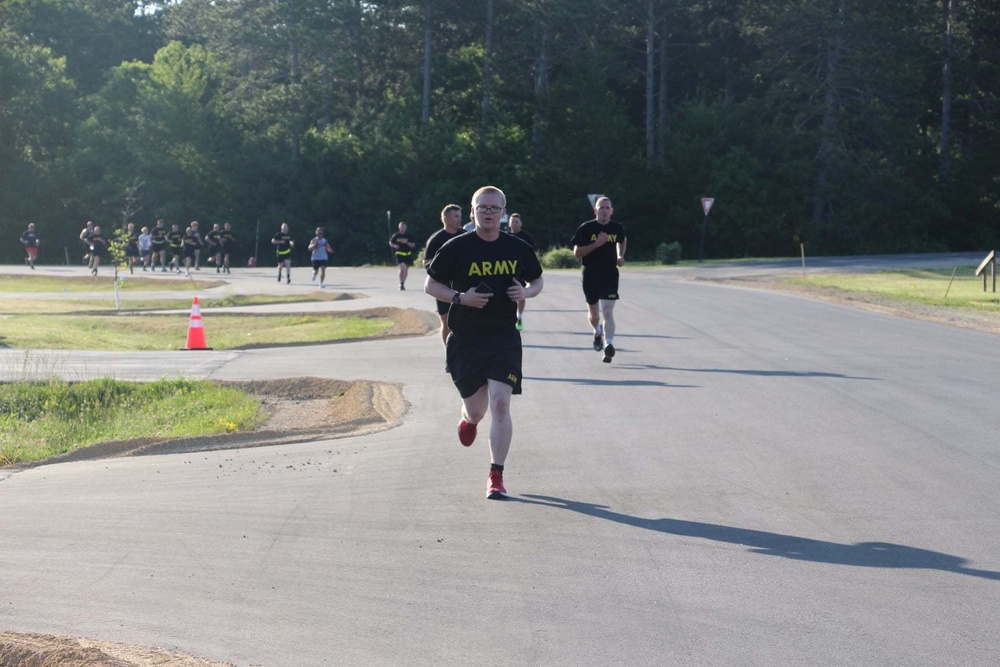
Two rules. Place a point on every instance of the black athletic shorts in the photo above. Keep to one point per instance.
(442, 306)
(472, 360)
(404, 259)
(319, 264)
(597, 286)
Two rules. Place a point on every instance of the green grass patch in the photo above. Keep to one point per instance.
(102, 283)
(169, 332)
(926, 286)
(107, 304)
(43, 419)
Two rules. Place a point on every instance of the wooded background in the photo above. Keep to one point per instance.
(853, 126)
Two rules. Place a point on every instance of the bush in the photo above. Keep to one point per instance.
(668, 253)
(560, 258)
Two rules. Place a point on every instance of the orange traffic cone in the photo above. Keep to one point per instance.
(196, 332)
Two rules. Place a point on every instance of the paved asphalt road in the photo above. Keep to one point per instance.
(758, 479)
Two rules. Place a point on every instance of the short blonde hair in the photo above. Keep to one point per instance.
(488, 189)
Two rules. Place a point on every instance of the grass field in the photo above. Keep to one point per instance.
(106, 303)
(927, 286)
(43, 419)
(79, 313)
(169, 332)
(102, 283)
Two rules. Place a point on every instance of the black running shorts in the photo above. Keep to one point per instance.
(472, 360)
(443, 306)
(597, 286)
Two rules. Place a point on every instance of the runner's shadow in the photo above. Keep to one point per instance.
(862, 554)
(740, 371)
(614, 383)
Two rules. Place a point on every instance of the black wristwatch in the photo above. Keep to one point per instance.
(456, 298)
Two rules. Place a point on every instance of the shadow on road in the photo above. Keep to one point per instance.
(863, 554)
(741, 371)
(614, 383)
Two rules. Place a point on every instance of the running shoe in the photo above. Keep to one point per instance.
(322, 285)
(520, 325)
(494, 486)
(598, 343)
(466, 433)
(609, 353)
(287, 282)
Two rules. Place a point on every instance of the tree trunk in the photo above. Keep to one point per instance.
(539, 118)
(487, 56)
(358, 93)
(324, 73)
(425, 105)
(662, 122)
(825, 154)
(293, 48)
(650, 79)
(944, 168)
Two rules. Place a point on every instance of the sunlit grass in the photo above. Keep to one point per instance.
(43, 419)
(107, 304)
(105, 282)
(926, 286)
(169, 332)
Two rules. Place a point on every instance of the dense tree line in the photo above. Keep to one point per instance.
(847, 125)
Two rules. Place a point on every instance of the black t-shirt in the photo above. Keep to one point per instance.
(282, 242)
(604, 258)
(158, 236)
(438, 239)
(466, 261)
(175, 238)
(29, 239)
(526, 237)
(402, 240)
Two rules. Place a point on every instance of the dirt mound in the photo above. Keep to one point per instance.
(32, 650)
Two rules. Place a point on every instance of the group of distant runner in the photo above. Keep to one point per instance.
(170, 249)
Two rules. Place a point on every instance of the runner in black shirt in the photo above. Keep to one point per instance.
(158, 237)
(30, 240)
(402, 245)
(483, 274)
(213, 240)
(98, 248)
(175, 242)
(228, 245)
(131, 246)
(514, 222)
(451, 218)
(283, 244)
(600, 243)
